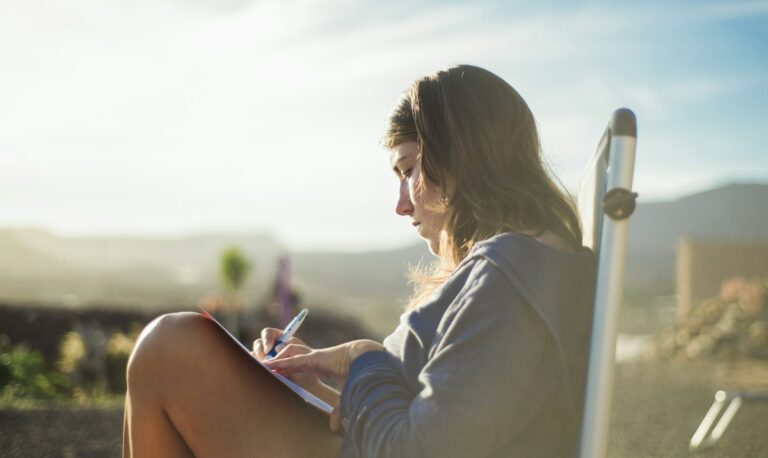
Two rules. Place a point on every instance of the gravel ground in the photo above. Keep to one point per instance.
(60, 432)
(656, 409)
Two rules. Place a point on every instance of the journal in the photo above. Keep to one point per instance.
(308, 397)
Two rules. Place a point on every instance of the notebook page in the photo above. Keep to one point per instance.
(306, 395)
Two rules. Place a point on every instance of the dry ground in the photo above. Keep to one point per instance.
(656, 408)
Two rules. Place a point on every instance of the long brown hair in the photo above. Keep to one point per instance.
(476, 131)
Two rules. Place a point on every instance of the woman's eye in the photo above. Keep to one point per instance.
(407, 173)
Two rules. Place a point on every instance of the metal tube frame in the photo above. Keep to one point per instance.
(709, 433)
(610, 282)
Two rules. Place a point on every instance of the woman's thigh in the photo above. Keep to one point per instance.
(218, 399)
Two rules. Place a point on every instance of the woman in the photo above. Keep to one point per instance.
(489, 358)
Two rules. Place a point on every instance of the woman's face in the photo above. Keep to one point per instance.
(419, 206)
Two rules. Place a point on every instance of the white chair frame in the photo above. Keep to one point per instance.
(605, 203)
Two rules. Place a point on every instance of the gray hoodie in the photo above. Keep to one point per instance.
(492, 364)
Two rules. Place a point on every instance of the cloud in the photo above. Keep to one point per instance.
(259, 112)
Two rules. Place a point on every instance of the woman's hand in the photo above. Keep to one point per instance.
(298, 360)
(306, 380)
(268, 338)
(326, 363)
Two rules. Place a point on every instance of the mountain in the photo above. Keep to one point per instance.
(372, 281)
(166, 272)
(37, 265)
(734, 211)
(373, 285)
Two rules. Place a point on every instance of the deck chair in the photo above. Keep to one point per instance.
(605, 202)
(709, 433)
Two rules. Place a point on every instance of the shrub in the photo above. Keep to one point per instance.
(95, 364)
(82, 356)
(23, 374)
(731, 325)
(119, 348)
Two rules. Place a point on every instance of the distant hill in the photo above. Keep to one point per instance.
(732, 211)
(37, 265)
(373, 285)
(177, 272)
(735, 211)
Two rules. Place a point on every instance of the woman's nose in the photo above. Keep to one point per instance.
(404, 204)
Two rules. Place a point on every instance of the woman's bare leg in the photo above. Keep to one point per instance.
(190, 393)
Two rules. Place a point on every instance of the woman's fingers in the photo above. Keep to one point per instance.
(297, 341)
(323, 363)
(290, 363)
(292, 349)
(268, 338)
(258, 349)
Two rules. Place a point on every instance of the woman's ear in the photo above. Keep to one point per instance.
(449, 189)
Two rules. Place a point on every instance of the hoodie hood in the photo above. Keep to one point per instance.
(560, 287)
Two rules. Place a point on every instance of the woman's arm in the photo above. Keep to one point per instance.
(308, 379)
(356, 348)
(307, 366)
(326, 363)
(489, 375)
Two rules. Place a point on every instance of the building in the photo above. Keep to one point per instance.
(704, 263)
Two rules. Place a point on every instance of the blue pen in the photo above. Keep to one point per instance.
(289, 331)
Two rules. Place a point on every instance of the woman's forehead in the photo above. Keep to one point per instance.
(405, 150)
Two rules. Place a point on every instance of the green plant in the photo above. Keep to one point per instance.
(82, 356)
(94, 360)
(23, 374)
(71, 350)
(233, 269)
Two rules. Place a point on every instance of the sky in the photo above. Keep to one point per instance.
(171, 117)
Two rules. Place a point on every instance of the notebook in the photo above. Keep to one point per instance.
(308, 397)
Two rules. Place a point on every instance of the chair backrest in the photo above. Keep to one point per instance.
(605, 203)
(591, 192)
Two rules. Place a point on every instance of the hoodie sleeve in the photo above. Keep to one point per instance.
(488, 373)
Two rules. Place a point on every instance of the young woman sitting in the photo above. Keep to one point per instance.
(489, 358)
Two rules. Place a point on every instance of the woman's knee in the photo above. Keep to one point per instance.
(163, 341)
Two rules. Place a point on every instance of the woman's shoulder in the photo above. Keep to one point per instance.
(546, 242)
(511, 269)
(520, 257)
(514, 261)
(473, 279)
(543, 275)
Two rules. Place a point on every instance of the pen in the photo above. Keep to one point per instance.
(289, 331)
